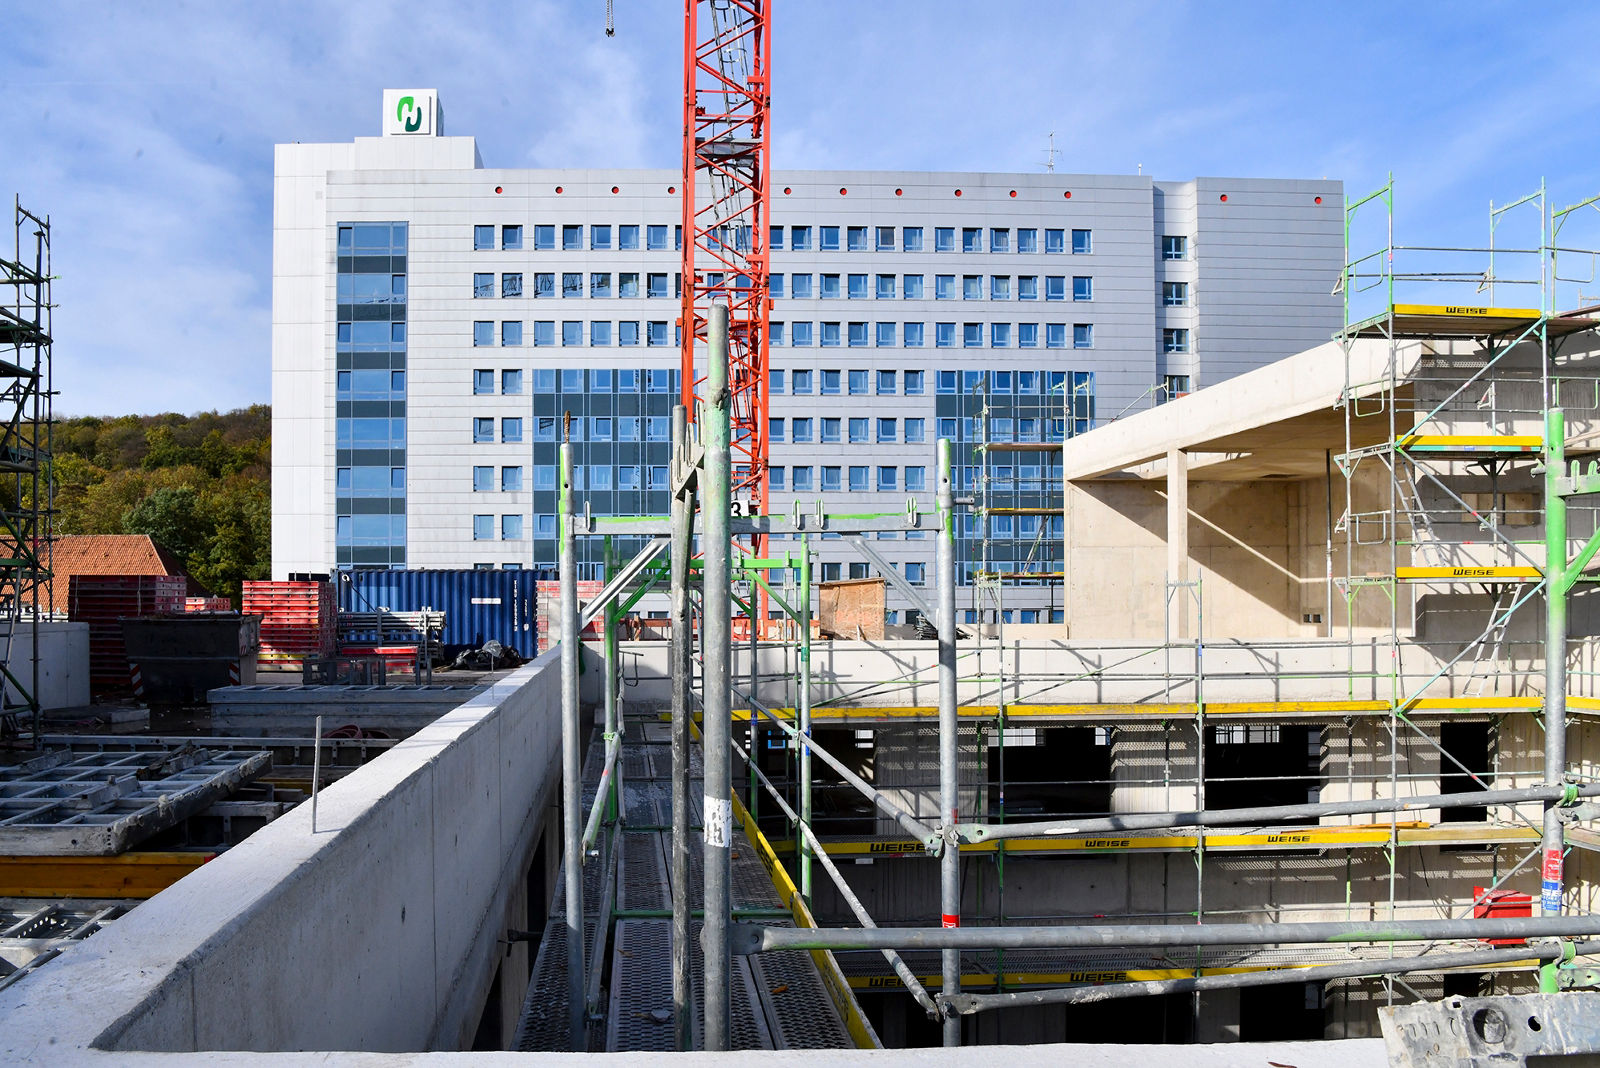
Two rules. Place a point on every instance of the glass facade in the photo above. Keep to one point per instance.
(370, 427)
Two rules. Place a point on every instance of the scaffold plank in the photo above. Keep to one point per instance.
(1469, 574)
(129, 875)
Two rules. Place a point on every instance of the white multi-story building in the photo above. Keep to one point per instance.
(435, 322)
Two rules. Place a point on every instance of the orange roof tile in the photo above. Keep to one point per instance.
(110, 554)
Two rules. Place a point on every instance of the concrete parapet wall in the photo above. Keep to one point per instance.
(377, 932)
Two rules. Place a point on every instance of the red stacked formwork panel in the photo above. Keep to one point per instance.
(102, 601)
(207, 604)
(297, 620)
(548, 619)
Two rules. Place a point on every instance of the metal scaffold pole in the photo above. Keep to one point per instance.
(1555, 655)
(571, 761)
(682, 652)
(613, 731)
(718, 654)
(949, 784)
(804, 713)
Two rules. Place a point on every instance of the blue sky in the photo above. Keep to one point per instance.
(146, 129)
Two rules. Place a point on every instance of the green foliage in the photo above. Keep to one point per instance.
(199, 485)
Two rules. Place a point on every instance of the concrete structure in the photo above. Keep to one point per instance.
(436, 320)
(63, 663)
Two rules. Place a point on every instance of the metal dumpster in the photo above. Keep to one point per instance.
(176, 659)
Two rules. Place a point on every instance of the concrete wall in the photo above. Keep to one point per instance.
(380, 931)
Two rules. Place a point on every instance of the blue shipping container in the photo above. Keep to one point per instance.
(478, 605)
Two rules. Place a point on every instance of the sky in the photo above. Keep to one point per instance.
(145, 129)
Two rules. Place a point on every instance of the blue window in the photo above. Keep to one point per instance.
(917, 573)
(655, 237)
(1055, 241)
(571, 333)
(800, 336)
(544, 285)
(775, 237)
(999, 335)
(599, 334)
(886, 340)
(802, 428)
(1027, 287)
(627, 334)
(944, 287)
(511, 333)
(830, 478)
(483, 381)
(1055, 336)
(830, 431)
(1027, 335)
(858, 336)
(775, 333)
(800, 482)
(858, 286)
(775, 285)
(830, 382)
(628, 237)
(657, 428)
(775, 383)
(858, 430)
(856, 238)
(1055, 287)
(885, 239)
(544, 380)
(949, 428)
(860, 479)
(661, 380)
(599, 237)
(1174, 340)
(510, 381)
(914, 383)
(600, 284)
(912, 286)
(999, 240)
(601, 428)
(1028, 240)
(544, 238)
(482, 284)
(888, 479)
(944, 239)
(944, 335)
(972, 335)
(511, 528)
(658, 478)
(511, 284)
(572, 239)
(482, 333)
(656, 285)
(572, 283)
(972, 239)
(483, 237)
(830, 287)
(658, 334)
(628, 477)
(972, 287)
(511, 479)
(544, 477)
(1082, 242)
(949, 382)
(915, 432)
(1083, 335)
(483, 528)
(482, 429)
(830, 338)
(1082, 287)
(628, 284)
(886, 430)
(511, 429)
(482, 479)
(1000, 287)
(800, 238)
(800, 286)
(775, 429)
(544, 333)
(828, 239)
(801, 381)
(910, 238)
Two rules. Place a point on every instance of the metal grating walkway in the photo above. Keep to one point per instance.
(779, 1000)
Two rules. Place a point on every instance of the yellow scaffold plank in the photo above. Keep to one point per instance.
(1100, 976)
(129, 875)
(1295, 838)
(1468, 574)
(1466, 311)
(1151, 709)
(1472, 442)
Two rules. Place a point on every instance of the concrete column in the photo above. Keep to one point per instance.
(1178, 539)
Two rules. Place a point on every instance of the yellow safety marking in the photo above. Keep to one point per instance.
(130, 875)
(1464, 311)
(1114, 975)
(1301, 838)
(1574, 701)
(1528, 442)
(1423, 574)
(844, 1000)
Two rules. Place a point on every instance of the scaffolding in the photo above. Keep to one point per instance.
(26, 487)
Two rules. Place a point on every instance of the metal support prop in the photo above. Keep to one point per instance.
(1555, 655)
(949, 784)
(717, 657)
(747, 938)
(571, 762)
(613, 731)
(682, 652)
(803, 743)
(1083, 994)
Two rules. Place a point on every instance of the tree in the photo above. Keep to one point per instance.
(172, 517)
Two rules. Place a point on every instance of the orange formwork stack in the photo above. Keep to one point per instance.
(297, 620)
(103, 601)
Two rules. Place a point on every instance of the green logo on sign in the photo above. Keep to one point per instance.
(408, 115)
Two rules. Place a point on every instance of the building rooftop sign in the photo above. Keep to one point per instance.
(408, 112)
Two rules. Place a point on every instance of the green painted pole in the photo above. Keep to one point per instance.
(1557, 583)
(805, 713)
